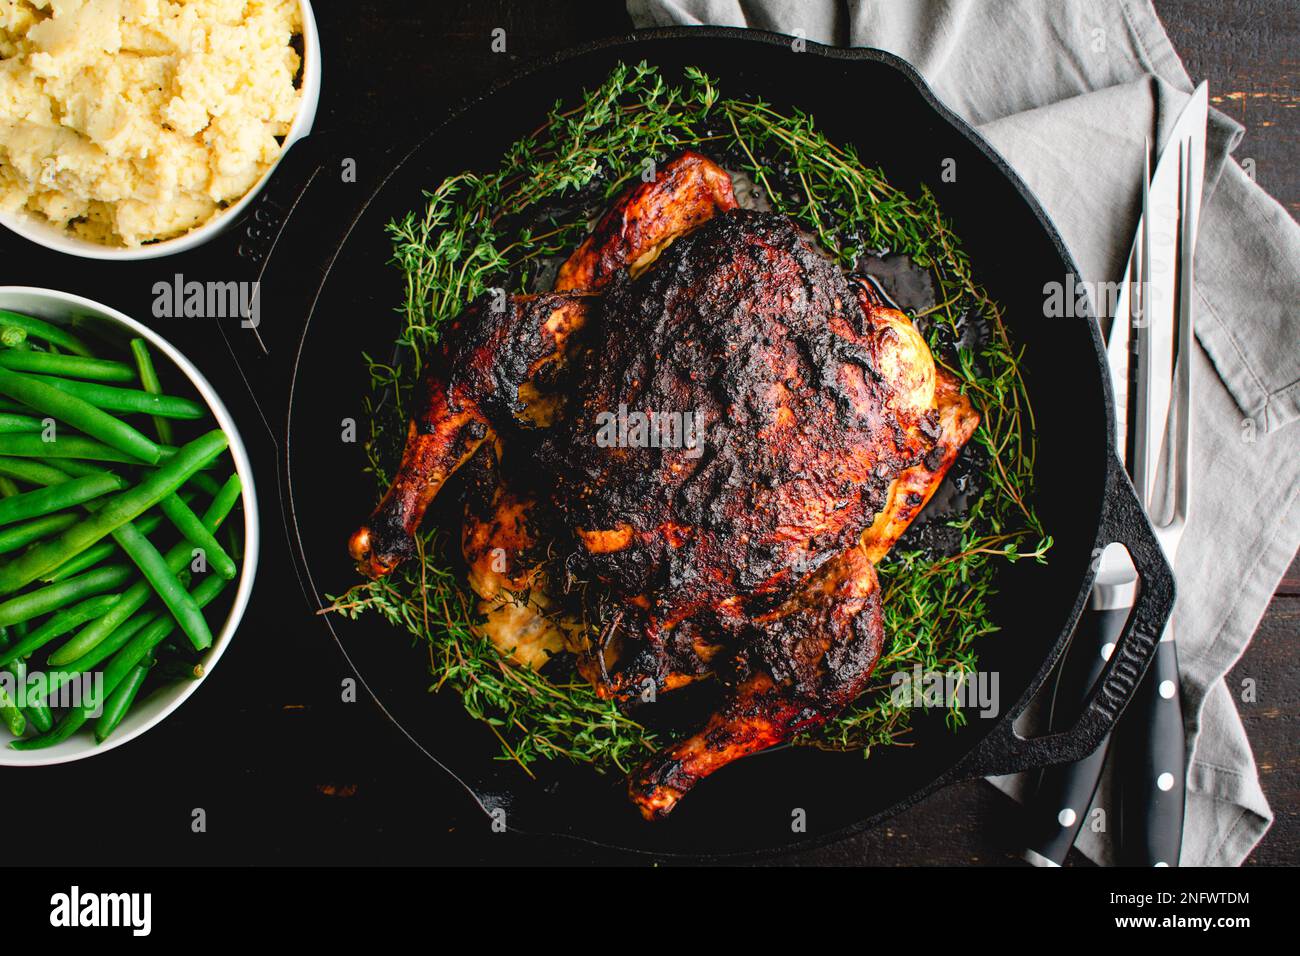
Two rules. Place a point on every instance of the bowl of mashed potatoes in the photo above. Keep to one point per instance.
(131, 129)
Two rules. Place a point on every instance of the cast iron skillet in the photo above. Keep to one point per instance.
(328, 294)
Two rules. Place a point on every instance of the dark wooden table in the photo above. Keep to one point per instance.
(288, 773)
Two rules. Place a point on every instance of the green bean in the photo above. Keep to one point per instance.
(11, 336)
(124, 661)
(226, 497)
(36, 714)
(43, 501)
(44, 330)
(34, 473)
(99, 552)
(116, 512)
(46, 472)
(206, 484)
(76, 366)
(93, 555)
(10, 713)
(10, 423)
(79, 414)
(63, 447)
(189, 525)
(57, 625)
(119, 635)
(134, 597)
(175, 669)
(149, 380)
(87, 559)
(13, 538)
(102, 651)
(224, 500)
(163, 580)
(114, 399)
(84, 450)
(21, 535)
(68, 725)
(154, 634)
(39, 716)
(74, 467)
(120, 701)
(54, 596)
(55, 680)
(169, 452)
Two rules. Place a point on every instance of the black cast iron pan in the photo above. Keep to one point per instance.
(328, 294)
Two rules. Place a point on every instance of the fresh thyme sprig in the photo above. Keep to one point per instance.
(532, 715)
(477, 230)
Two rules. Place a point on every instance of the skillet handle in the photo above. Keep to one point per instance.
(1004, 751)
(290, 233)
(275, 203)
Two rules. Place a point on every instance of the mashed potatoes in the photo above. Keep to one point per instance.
(133, 120)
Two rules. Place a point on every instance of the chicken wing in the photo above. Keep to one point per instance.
(646, 219)
(912, 489)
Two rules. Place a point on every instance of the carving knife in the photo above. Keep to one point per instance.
(1056, 810)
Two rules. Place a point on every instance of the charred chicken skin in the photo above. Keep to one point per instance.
(786, 426)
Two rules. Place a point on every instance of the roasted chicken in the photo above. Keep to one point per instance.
(713, 426)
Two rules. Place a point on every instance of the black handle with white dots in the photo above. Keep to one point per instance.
(1057, 810)
(1152, 755)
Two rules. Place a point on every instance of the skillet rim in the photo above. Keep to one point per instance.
(396, 160)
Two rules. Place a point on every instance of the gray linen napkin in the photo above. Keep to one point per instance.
(1067, 91)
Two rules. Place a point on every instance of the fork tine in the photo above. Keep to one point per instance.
(1140, 355)
(1187, 215)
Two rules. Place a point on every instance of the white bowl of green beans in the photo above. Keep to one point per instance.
(128, 527)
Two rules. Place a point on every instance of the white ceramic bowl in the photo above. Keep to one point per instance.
(60, 240)
(61, 308)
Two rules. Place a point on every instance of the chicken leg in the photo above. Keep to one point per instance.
(472, 388)
(802, 664)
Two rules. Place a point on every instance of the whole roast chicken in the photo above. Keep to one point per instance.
(712, 424)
